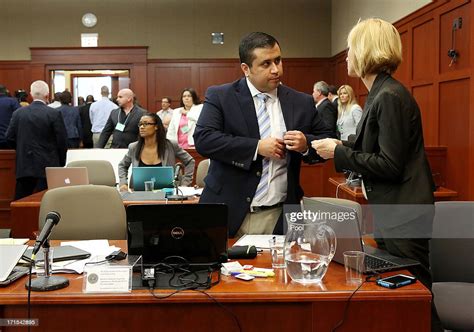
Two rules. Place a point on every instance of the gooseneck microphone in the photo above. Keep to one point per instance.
(177, 168)
(52, 219)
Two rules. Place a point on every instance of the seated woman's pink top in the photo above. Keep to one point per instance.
(183, 130)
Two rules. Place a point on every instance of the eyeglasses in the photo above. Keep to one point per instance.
(146, 124)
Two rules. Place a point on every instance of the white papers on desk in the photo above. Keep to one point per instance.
(190, 191)
(13, 241)
(97, 248)
(259, 241)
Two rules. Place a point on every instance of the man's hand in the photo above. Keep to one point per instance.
(295, 140)
(271, 147)
(325, 147)
(123, 187)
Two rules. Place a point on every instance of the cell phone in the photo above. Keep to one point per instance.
(396, 281)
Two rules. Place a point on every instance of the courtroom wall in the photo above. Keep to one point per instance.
(345, 15)
(171, 29)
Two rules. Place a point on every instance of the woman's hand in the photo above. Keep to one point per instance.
(325, 147)
(123, 187)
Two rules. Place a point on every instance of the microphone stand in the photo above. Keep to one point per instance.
(176, 196)
(47, 282)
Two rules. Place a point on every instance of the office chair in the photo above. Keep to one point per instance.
(452, 267)
(201, 172)
(87, 212)
(100, 172)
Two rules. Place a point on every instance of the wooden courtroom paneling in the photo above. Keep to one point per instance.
(15, 75)
(462, 37)
(218, 73)
(429, 113)
(167, 79)
(454, 132)
(424, 46)
(301, 74)
(7, 185)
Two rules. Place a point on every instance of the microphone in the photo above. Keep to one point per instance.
(52, 219)
(177, 168)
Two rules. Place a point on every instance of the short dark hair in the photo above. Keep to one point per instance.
(90, 99)
(332, 89)
(167, 98)
(194, 95)
(65, 98)
(3, 89)
(252, 41)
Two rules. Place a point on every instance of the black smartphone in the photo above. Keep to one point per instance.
(396, 281)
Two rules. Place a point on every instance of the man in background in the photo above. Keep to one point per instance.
(39, 136)
(99, 113)
(87, 142)
(56, 100)
(122, 122)
(325, 108)
(7, 106)
(332, 95)
(165, 108)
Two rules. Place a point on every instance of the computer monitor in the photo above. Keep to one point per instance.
(161, 176)
(195, 232)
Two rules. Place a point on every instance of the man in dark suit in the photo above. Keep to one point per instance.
(324, 106)
(122, 122)
(39, 135)
(256, 132)
(87, 142)
(332, 95)
(8, 105)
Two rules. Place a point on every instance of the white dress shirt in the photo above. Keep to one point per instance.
(99, 113)
(278, 181)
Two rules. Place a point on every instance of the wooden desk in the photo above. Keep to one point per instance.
(354, 193)
(264, 304)
(25, 213)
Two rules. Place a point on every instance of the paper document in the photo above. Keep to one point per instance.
(259, 241)
(13, 241)
(189, 191)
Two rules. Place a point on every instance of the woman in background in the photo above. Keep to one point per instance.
(153, 149)
(348, 112)
(183, 122)
(388, 150)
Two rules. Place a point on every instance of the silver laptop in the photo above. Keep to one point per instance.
(349, 238)
(10, 254)
(66, 176)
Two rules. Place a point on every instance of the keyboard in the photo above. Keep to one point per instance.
(373, 263)
(17, 273)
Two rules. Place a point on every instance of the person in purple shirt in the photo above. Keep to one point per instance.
(7, 106)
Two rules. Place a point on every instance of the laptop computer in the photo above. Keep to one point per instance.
(10, 254)
(161, 176)
(197, 233)
(66, 176)
(349, 238)
(137, 196)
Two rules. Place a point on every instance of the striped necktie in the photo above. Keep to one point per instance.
(264, 128)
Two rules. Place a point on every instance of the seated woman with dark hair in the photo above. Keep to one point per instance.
(153, 149)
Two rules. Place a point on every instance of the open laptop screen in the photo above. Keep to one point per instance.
(161, 176)
(66, 176)
(195, 232)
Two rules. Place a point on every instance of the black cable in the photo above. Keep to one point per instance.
(225, 308)
(346, 306)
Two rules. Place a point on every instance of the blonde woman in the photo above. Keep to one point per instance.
(388, 150)
(348, 112)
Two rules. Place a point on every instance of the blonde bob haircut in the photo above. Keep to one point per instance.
(375, 46)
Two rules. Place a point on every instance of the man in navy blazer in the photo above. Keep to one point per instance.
(228, 133)
(39, 136)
